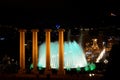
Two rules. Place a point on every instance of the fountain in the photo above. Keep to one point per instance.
(74, 56)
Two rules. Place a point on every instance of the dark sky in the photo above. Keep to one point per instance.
(37, 13)
(47, 13)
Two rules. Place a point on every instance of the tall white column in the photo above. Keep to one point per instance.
(61, 52)
(35, 50)
(47, 39)
(22, 51)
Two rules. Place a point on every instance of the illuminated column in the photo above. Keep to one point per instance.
(61, 52)
(22, 51)
(48, 68)
(35, 49)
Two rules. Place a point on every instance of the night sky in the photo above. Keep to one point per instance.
(15, 14)
(48, 13)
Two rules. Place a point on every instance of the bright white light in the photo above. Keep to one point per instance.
(91, 74)
(100, 56)
(103, 43)
(112, 14)
(95, 39)
(105, 61)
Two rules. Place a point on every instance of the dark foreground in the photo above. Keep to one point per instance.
(50, 77)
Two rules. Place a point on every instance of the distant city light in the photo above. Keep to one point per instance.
(81, 29)
(2, 38)
(104, 43)
(86, 29)
(105, 61)
(25, 44)
(57, 26)
(91, 74)
(112, 14)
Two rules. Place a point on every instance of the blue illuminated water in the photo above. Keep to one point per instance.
(74, 56)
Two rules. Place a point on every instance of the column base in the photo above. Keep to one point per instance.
(35, 71)
(61, 72)
(47, 72)
(21, 71)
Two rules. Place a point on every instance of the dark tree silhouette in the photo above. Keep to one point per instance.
(113, 68)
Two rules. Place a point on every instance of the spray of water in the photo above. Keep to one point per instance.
(74, 56)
